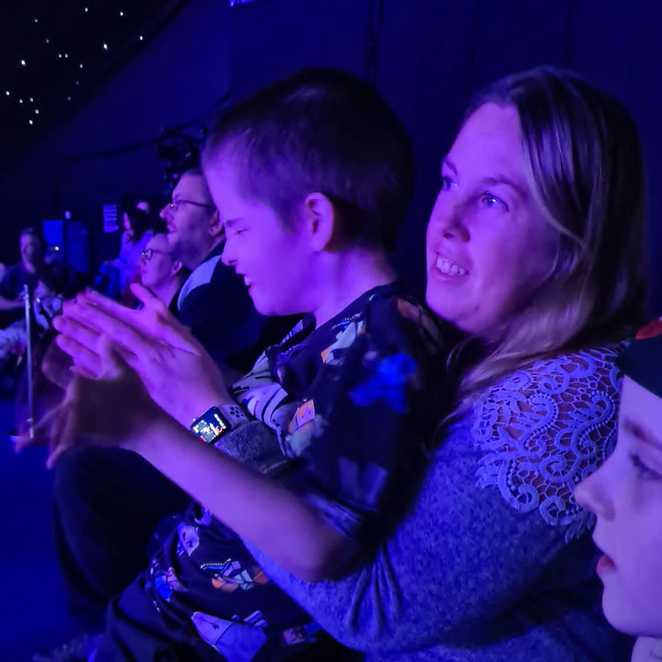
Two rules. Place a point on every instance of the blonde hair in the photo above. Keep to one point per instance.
(586, 172)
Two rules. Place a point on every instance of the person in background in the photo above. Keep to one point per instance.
(159, 272)
(213, 301)
(625, 494)
(28, 271)
(138, 230)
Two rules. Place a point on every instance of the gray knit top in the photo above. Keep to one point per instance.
(494, 561)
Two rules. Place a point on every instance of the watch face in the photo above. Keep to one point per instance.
(210, 426)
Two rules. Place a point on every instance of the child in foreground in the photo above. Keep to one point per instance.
(626, 496)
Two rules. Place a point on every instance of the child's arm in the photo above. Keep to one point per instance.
(257, 508)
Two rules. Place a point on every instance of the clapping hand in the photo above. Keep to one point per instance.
(174, 368)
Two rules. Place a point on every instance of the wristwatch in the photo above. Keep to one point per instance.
(217, 421)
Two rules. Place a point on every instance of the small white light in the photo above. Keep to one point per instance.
(66, 56)
(7, 93)
(30, 122)
(23, 63)
(121, 13)
(36, 111)
(68, 98)
(36, 20)
(31, 99)
(77, 82)
(80, 65)
(86, 9)
(140, 37)
(20, 100)
(47, 40)
(105, 46)
(59, 55)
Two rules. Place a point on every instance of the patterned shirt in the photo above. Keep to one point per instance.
(353, 403)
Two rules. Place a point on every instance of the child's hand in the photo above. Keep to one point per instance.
(113, 409)
(175, 369)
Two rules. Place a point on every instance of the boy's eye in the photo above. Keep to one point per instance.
(446, 183)
(644, 472)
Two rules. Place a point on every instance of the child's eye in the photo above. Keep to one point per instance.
(446, 183)
(492, 201)
(644, 472)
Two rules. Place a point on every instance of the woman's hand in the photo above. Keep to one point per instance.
(175, 369)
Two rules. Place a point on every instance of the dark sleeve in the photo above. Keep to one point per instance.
(222, 317)
(362, 430)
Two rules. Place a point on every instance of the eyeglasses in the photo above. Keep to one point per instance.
(148, 253)
(176, 204)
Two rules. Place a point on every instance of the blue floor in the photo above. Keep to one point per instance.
(33, 614)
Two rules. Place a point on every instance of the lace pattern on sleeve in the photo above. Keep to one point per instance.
(545, 428)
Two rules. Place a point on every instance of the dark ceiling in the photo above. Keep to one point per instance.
(53, 55)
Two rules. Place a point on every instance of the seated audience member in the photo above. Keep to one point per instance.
(160, 272)
(213, 301)
(115, 276)
(351, 392)
(625, 494)
(28, 271)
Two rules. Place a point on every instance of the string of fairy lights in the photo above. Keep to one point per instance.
(76, 68)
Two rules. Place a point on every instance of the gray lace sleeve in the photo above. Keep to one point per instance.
(494, 516)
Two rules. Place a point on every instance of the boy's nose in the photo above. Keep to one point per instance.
(591, 495)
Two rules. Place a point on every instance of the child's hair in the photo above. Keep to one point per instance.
(321, 131)
(585, 169)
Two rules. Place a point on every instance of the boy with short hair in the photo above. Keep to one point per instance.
(311, 178)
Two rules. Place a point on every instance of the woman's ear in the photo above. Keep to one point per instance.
(321, 220)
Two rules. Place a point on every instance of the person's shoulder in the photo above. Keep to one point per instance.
(589, 368)
(396, 316)
(546, 426)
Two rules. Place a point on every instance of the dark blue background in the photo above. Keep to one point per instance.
(430, 55)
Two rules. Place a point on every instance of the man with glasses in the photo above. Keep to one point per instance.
(213, 301)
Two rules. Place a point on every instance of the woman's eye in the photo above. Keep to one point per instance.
(492, 202)
(644, 472)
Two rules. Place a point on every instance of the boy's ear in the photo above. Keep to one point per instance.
(215, 226)
(321, 219)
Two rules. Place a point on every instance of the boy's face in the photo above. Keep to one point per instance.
(626, 495)
(274, 259)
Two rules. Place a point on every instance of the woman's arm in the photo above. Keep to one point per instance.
(475, 558)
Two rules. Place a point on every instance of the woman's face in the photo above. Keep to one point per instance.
(626, 496)
(488, 245)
